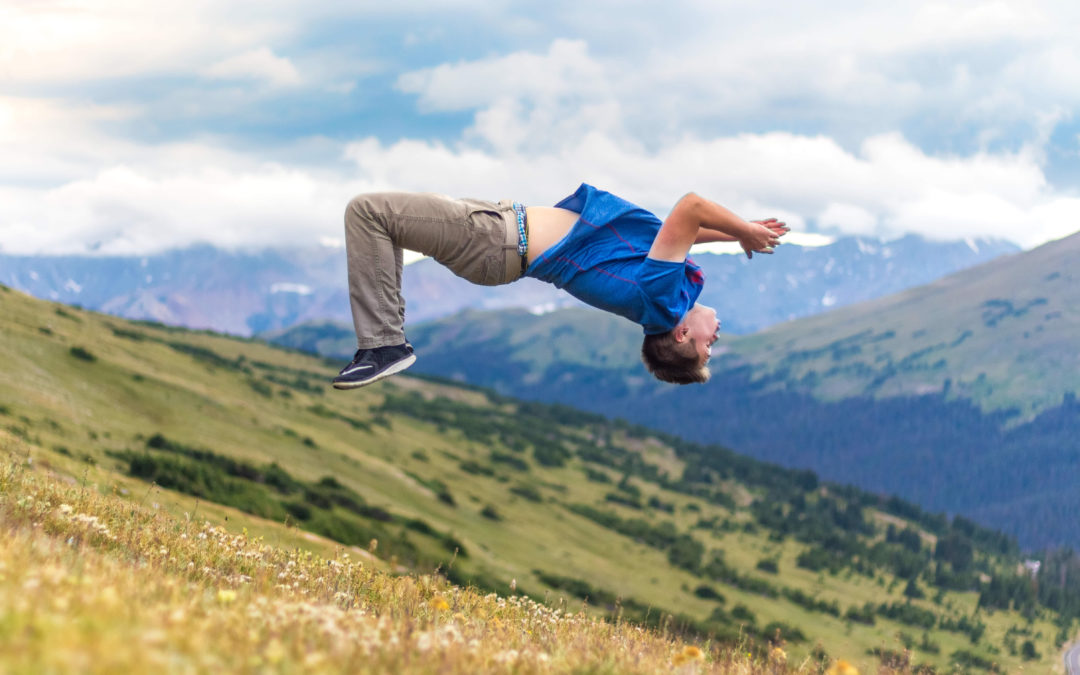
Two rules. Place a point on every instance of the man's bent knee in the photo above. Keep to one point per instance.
(361, 207)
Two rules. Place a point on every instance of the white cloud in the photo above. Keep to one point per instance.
(257, 64)
(171, 196)
(847, 218)
(79, 40)
(174, 195)
(887, 188)
(566, 69)
(646, 102)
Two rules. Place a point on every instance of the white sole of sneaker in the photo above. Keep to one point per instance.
(394, 369)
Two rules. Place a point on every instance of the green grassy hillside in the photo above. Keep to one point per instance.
(1003, 335)
(499, 494)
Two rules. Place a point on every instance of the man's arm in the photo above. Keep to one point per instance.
(710, 236)
(698, 220)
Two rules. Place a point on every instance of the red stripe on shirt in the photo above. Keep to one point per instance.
(609, 225)
(598, 269)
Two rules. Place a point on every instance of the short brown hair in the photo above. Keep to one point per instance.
(672, 361)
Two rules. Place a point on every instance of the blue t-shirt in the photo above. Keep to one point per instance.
(603, 261)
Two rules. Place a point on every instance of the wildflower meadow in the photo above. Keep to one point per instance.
(99, 583)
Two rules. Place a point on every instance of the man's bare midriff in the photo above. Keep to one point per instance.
(547, 225)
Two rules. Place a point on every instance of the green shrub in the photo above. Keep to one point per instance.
(550, 454)
(863, 615)
(768, 565)
(578, 588)
(596, 476)
(204, 480)
(909, 614)
(509, 460)
(812, 604)
(781, 631)
(709, 593)
(913, 591)
(259, 387)
(528, 492)
(1028, 651)
(127, 334)
(82, 354)
(741, 612)
(491, 513)
(337, 526)
(204, 354)
(624, 499)
(446, 498)
(453, 545)
(298, 510)
(322, 411)
(656, 503)
(686, 553)
(928, 646)
(628, 488)
(476, 468)
(963, 657)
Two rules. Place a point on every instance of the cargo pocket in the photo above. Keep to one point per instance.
(487, 226)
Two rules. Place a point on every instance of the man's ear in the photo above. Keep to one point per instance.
(681, 332)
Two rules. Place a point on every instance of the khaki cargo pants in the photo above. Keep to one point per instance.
(476, 240)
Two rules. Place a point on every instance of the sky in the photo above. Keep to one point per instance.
(129, 127)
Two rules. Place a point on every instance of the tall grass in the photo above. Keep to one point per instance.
(99, 583)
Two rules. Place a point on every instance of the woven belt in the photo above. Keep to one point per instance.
(523, 235)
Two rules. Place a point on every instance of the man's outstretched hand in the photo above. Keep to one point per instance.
(763, 236)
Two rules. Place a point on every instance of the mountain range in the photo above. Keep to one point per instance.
(245, 293)
(958, 395)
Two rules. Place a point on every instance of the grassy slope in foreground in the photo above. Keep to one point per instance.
(93, 583)
(71, 412)
(1002, 334)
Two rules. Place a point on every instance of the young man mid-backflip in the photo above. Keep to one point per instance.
(601, 249)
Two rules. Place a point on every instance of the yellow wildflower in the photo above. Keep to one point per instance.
(275, 652)
(225, 596)
(689, 654)
(109, 597)
(778, 655)
(842, 667)
(439, 604)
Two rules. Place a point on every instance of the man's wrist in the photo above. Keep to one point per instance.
(740, 229)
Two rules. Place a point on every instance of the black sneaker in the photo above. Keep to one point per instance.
(372, 365)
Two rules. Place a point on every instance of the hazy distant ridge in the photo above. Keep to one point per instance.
(249, 292)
